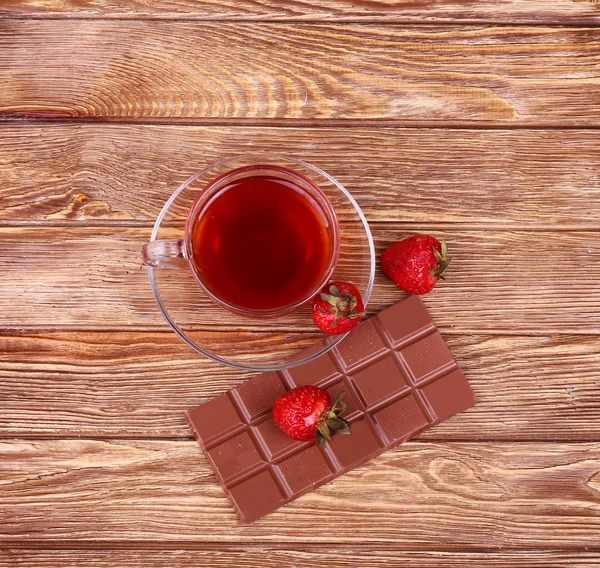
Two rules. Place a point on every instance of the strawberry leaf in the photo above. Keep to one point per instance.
(323, 429)
(336, 319)
(339, 426)
(338, 399)
(331, 422)
(339, 405)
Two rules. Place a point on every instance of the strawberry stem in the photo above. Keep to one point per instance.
(443, 261)
(343, 304)
(332, 423)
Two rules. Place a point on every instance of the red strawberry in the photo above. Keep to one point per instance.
(306, 413)
(338, 309)
(415, 264)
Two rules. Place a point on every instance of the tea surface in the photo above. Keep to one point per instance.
(261, 243)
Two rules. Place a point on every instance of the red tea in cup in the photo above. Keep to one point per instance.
(261, 242)
(260, 239)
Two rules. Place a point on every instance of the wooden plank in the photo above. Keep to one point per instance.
(459, 496)
(313, 557)
(139, 384)
(145, 70)
(480, 178)
(500, 282)
(512, 11)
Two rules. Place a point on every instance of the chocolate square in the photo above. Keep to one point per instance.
(257, 496)
(405, 320)
(360, 346)
(258, 396)
(235, 456)
(306, 469)
(402, 419)
(318, 372)
(449, 395)
(427, 357)
(360, 446)
(380, 381)
(214, 419)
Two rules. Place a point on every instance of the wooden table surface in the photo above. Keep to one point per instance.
(476, 121)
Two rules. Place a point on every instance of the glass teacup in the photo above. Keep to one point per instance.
(250, 335)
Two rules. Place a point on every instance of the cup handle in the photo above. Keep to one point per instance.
(167, 253)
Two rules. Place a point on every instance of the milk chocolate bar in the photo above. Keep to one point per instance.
(399, 379)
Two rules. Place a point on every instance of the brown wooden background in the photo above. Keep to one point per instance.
(478, 121)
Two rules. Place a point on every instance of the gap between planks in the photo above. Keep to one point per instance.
(219, 545)
(368, 20)
(42, 120)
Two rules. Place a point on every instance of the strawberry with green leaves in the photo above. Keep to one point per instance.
(416, 264)
(306, 413)
(338, 308)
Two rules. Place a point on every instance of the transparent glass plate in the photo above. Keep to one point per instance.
(256, 343)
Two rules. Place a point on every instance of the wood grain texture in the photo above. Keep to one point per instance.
(314, 557)
(522, 11)
(142, 70)
(456, 496)
(107, 106)
(139, 384)
(478, 178)
(500, 282)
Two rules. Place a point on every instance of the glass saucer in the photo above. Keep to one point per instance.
(253, 343)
